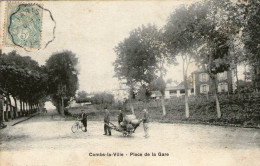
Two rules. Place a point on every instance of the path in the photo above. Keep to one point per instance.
(48, 140)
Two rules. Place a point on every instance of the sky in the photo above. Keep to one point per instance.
(92, 29)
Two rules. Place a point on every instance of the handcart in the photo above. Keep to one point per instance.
(127, 130)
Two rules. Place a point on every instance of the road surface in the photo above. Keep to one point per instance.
(48, 140)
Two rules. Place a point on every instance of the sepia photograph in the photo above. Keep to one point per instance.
(130, 83)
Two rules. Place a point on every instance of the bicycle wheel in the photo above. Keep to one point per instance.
(74, 127)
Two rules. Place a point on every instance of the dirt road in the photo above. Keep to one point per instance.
(48, 140)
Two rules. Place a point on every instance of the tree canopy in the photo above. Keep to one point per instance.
(62, 78)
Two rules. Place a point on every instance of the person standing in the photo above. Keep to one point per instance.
(120, 117)
(107, 129)
(145, 122)
(84, 120)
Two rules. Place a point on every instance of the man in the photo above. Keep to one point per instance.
(145, 122)
(120, 116)
(84, 119)
(107, 120)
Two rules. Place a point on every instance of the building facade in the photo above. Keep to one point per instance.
(203, 84)
(177, 91)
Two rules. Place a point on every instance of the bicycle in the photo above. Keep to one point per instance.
(77, 125)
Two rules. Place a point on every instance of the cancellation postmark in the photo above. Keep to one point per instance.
(23, 25)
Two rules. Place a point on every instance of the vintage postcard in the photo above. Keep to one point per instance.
(130, 83)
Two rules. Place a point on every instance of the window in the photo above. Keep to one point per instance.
(173, 91)
(204, 88)
(222, 76)
(192, 90)
(222, 87)
(204, 77)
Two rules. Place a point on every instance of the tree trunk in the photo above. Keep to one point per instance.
(37, 108)
(237, 77)
(26, 108)
(217, 101)
(15, 109)
(21, 107)
(163, 106)
(245, 72)
(62, 106)
(187, 110)
(33, 107)
(217, 106)
(59, 106)
(184, 72)
(30, 108)
(10, 113)
(6, 110)
(1, 108)
(145, 104)
(132, 107)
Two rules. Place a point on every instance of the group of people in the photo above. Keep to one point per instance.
(107, 129)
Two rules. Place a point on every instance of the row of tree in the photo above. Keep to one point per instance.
(216, 34)
(23, 79)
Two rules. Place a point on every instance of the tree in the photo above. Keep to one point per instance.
(140, 58)
(82, 96)
(23, 79)
(102, 98)
(210, 26)
(218, 30)
(181, 39)
(62, 78)
(136, 62)
(250, 36)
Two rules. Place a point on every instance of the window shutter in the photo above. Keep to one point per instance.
(201, 90)
(225, 75)
(207, 88)
(4, 107)
(200, 77)
(219, 87)
(226, 87)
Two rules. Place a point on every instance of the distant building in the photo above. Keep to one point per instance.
(74, 104)
(202, 83)
(156, 95)
(177, 91)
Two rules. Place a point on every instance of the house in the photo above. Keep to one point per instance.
(73, 104)
(156, 95)
(177, 91)
(203, 84)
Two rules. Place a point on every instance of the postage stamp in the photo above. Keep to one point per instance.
(23, 25)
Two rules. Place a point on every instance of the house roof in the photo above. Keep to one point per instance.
(178, 87)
